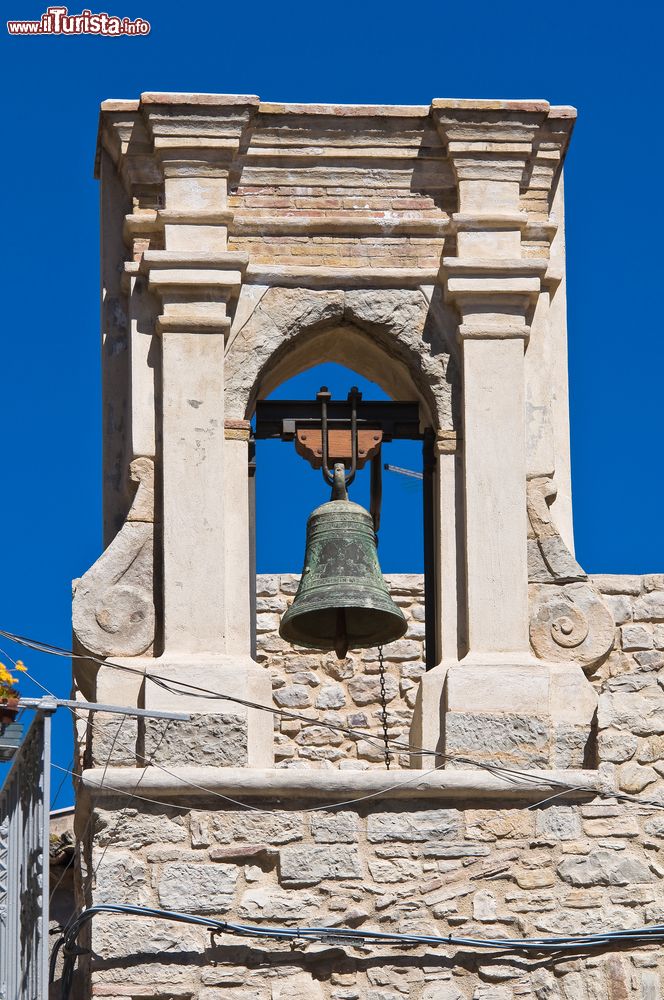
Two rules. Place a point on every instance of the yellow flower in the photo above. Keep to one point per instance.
(21, 667)
(5, 675)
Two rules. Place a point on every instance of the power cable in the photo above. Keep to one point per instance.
(353, 936)
(176, 687)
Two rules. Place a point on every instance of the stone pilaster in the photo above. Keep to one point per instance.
(498, 700)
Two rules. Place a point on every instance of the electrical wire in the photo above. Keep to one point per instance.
(178, 687)
(352, 936)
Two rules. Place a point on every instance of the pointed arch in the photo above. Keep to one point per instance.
(399, 338)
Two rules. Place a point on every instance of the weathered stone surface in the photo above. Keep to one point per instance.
(620, 607)
(198, 888)
(394, 871)
(309, 865)
(484, 906)
(604, 867)
(219, 740)
(617, 826)
(430, 824)
(126, 937)
(335, 827)
(650, 607)
(139, 828)
(642, 714)
(559, 823)
(366, 689)
(331, 696)
(278, 827)
(293, 696)
(121, 878)
(277, 904)
(485, 824)
(571, 623)
(513, 739)
(634, 778)
(635, 637)
(616, 745)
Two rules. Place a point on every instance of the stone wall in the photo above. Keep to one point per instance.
(342, 692)
(472, 868)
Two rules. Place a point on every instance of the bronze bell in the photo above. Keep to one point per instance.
(342, 601)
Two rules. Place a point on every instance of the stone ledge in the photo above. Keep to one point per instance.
(340, 277)
(325, 785)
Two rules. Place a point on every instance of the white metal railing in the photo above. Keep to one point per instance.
(24, 833)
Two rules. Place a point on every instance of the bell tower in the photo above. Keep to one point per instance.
(243, 242)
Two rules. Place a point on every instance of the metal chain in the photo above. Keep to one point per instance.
(383, 702)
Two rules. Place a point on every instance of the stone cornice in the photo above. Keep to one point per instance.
(194, 288)
(333, 785)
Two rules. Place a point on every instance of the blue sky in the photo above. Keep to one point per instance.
(602, 58)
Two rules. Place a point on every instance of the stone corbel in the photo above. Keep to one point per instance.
(113, 608)
(569, 620)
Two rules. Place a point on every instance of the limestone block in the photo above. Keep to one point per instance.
(331, 696)
(616, 745)
(488, 825)
(310, 865)
(136, 828)
(400, 870)
(611, 826)
(301, 986)
(112, 739)
(654, 826)
(650, 607)
(364, 690)
(558, 823)
(641, 714)
(604, 867)
(218, 740)
(650, 750)
(500, 739)
(634, 778)
(509, 688)
(570, 745)
(335, 827)
(620, 607)
(636, 637)
(293, 696)
(256, 828)
(120, 878)
(267, 586)
(484, 906)
(124, 937)
(198, 888)
(278, 904)
(617, 583)
(412, 827)
(650, 659)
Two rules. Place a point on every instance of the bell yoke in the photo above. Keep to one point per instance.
(342, 601)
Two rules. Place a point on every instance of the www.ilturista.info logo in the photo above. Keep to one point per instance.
(58, 21)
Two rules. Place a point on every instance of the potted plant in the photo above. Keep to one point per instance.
(9, 693)
(10, 731)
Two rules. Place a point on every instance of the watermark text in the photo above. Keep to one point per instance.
(58, 21)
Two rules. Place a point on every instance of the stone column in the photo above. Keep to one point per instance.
(205, 555)
(499, 702)
(494, 290)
